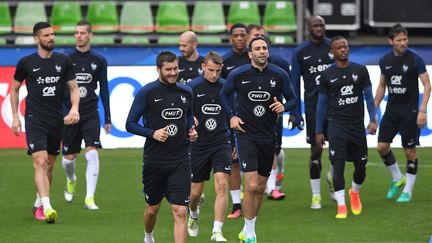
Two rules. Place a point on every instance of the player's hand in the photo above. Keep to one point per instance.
(71, 118)
(372, 127)
(277, 106)
(193, 135)
(234, 154)
(161, 134)
(295, 123)
(196, 121)
(16, 126)
(108, 128)
(235, 123)
(320, 140)
(421, 119)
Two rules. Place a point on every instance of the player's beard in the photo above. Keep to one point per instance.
(164, 78)
(48, 47)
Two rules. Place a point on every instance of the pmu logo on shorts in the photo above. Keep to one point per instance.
(259, 95)
(211, 109)
(83, 78)
(259, 110)
(172, 130)
(172, 113)
(347, 90)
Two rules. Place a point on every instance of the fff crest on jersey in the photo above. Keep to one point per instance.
(330, 54)
(172, 113)
(183, 99)
(93, 66)
(200, 71)
(58, 68)
(211, 109)
(405, 68)
(211, 124)
(272, 83)
(259, 95)
(172, 130)
(354, 77)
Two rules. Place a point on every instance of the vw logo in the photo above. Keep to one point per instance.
(211, 124)
(82, 92)
(172, 130)
(259, 110)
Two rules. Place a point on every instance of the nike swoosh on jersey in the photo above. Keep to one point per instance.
(36, 69)
(306, 57)
(230, 67)
(157, 100)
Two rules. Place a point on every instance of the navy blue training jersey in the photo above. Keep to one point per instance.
(310, 60)
(163, 105)
(212, 119)
(189, 70)
(255, 91)
(401, 76)
(344, 88)
(91, 68)
(46, 80)
(233, 60)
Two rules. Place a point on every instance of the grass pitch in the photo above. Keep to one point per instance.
(121, 200)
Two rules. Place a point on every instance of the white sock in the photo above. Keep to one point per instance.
(46, 203)
(193, 214)
(92, 172)
(38, 201)
(249, 229)
(316, 187)
(271, 182)
(340, 197)
(355, 187)
(395, 172)
(235, 196)
(410, 181)
(280, 159)
(331, 170)
(148, 237)
(69, 167)
(217, 226)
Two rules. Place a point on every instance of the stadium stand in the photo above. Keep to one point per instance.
(168, 40)
(102, 40)
(208, 17)
(64, 16)
(172, 17)
(279, 16)
(103, 16)
(204, 39)
(136, 18)
(5, 19)
(27, 14)
(281, 39)
(245, 12)
(64, 40)
(135, 40)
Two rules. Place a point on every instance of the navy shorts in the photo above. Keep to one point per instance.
(42, 136)
(310, 111)
(203, 159)
(406, 124)
(255, 155)
(88, 128)
(347, 142)
(172, 181)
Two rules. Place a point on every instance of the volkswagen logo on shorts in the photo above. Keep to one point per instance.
(172, 130)
(172, 113)
(211, 124)
(82, 92)
(259, 110)
(259, 95)
(211, 109)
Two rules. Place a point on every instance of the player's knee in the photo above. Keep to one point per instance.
(69, 157)
(152, 210)
(412, 166)
(383, 149)
(179, 211)
(316, 153)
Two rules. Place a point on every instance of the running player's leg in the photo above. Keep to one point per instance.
(72, 138)
(235, 186)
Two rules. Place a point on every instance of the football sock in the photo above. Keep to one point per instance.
(395, 172)
(92, 172)
(235, 196)
(69, 166)
(271, 182)
(193, 214)
(250, 228)
(355, 187)
(148, 237)
(46, 203)
(38, 201)
(340, 197)
(410, 181)
(217, 226)
(315, 185)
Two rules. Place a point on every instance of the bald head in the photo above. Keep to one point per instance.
(316, 26)
(188, 45)
(314, 19)
(188, 37)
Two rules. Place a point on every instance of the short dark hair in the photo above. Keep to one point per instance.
(214, 57)
(395, 30)
(254, 26)
(165, 56)
(84, 22)
(255, 39)
(238, 25)
(336, 38)
(38, 26)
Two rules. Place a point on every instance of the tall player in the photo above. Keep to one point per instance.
(90, 68)
(309, 60)
(400, 70)
(46, 74)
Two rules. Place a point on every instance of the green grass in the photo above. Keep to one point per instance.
(121, 216)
